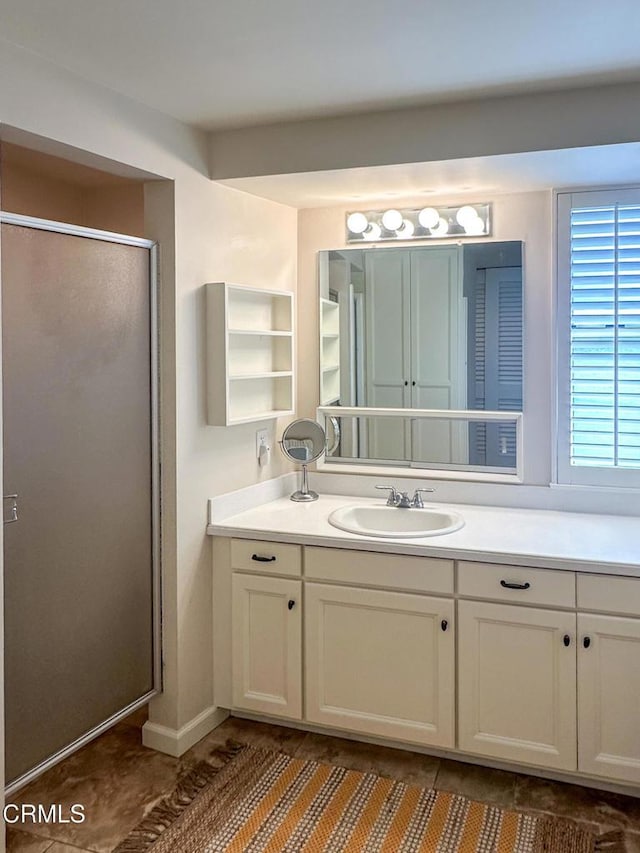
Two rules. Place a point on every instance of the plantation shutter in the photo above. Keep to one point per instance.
(605, 336)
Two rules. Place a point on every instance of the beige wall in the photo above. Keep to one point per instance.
(119, 209)
(242, 239)
(208, 233)
(524, 216)
(31, 192)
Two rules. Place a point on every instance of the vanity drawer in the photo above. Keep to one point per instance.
(517, 584)
(386, 571)
(609, 594)
(274, 558)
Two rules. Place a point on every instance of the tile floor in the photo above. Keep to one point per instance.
(118, 781)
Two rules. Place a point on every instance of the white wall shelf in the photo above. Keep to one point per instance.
(250, 354)
(273, 375)
(329, 352)
(259, 332)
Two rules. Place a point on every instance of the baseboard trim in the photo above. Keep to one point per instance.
(176, 742)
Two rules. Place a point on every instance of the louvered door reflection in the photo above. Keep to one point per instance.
(503, 360)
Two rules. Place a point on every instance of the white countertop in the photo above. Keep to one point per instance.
(605, 544)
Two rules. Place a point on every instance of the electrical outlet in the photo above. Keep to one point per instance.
(262, 437)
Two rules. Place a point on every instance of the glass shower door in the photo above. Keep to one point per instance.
(80, 560)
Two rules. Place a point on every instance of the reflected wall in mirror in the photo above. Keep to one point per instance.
(429, 327)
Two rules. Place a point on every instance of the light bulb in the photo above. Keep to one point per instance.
(406, 229)
(428, 217)
(466, 215)
(392, 219)
(441, 229)
(373, 232)
(474, 227)
(357, 223)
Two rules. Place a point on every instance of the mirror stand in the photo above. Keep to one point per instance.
(304, 493)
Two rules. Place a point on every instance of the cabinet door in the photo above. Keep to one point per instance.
(438, 353)
(387, 351)
(608, 691)
(380, 663)
(517, 683)
(267, 645)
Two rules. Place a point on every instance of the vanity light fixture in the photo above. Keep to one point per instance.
(373, 232)
(428, 217)
(357, 223)
(467, 220)
(406, 230)
(392, 220)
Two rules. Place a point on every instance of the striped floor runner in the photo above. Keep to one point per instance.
(267, 802)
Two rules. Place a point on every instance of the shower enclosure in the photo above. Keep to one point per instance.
(81, 506)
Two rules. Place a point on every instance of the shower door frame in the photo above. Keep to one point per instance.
(156, 518)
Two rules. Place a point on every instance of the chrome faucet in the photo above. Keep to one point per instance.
(394, 495)
(401, 500)
(417, 501)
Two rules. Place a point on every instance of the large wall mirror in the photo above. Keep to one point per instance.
(428, 327)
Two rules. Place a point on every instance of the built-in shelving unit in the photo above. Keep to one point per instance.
(250, 354)
(329, 352)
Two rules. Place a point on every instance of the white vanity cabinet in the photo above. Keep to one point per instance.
(266, 628)
(552, 688)
(609, 678)
(517, 683)
(381, 663)
(522, 665)
(609, 697)
(380, 644)
(517, 664)
(267, 643)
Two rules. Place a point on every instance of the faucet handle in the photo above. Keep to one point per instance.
(392, 500)
(417, 501)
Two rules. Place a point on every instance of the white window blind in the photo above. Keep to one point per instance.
(604, 347)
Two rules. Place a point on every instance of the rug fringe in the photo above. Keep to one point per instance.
(553, 835)
(611, 842)
(169, 809)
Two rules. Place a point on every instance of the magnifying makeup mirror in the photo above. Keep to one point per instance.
(303, 441)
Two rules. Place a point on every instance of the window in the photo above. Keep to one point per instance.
(599, 338)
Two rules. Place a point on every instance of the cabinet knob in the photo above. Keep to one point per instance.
(586, 642)
(291, 604)
(444, 624)
(566, 640)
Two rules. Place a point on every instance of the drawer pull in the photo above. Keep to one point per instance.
(586, 642)
(566, 640)
(511, 585)
(444, 624)
(260, 559)
(291, 604)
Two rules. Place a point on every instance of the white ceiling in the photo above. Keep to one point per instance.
(483, 177)
(244, 62)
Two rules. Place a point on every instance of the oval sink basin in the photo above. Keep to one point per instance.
(391, 522)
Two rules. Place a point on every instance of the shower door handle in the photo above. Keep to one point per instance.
(13, 509)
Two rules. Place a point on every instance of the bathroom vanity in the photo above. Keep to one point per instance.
(514, 640)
